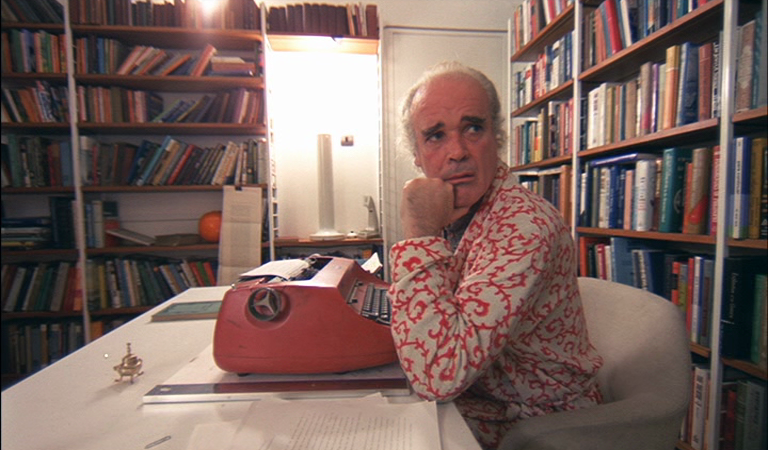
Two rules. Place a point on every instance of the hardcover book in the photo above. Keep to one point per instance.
(188, 311)
(672, 188)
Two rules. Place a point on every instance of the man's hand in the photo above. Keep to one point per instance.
(427, 207)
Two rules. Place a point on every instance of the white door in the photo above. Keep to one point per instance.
(406, 53)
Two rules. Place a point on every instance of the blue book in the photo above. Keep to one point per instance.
(688, 92)
(152, 162)
(673, 188)
(621, 259)
(626, 158)
(67, 173)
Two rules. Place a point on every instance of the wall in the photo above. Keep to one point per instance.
(323, 93)
(315, 94)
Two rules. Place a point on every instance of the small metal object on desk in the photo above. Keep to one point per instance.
(130, 366)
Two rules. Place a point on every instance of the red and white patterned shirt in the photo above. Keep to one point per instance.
(498, 324)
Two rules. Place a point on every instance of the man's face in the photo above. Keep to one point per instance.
(454, 136)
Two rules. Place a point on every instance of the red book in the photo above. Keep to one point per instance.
(180, 164)
(696, 206)
(714, 189)
(612, 21)
(705, 81)
(202, 63)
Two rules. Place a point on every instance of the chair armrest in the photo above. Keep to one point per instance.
(643, 422)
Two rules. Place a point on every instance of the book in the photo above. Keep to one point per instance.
(621, 259)
(756, 181)
(131, 236)
(171, 64)
(645, 96)
(202, 62)
(745, 64)
(705, 81)
(188, 311)
(696, 207)
(714, 191)
(764, 199)
(759, 345)
(701, 386)
(687, 97)
(672, 188)
(736, 323)
(673, 72)
(645, 182)
(739, 189)
(750, 414)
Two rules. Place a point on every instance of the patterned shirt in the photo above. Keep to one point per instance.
(496, 325)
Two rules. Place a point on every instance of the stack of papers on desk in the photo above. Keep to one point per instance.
(362, 423)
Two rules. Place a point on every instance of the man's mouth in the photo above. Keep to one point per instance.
(459, 178)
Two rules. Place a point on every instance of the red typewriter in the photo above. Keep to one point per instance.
(315, 315)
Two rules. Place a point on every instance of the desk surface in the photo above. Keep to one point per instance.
(76, 404)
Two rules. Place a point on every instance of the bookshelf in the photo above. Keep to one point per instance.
(86, 319)
(715, 246)
(177, 28)
(541, 150)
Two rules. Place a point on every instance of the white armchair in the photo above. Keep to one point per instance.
(645, 379)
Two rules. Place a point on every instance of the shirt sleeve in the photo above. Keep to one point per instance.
(450, 323)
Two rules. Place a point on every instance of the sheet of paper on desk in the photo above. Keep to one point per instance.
(363, 423)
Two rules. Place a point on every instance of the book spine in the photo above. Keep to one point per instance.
(740, 189)
(697, 206)
(645, 181)
(756, 186)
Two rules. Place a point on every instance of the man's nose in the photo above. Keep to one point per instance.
(457, 148)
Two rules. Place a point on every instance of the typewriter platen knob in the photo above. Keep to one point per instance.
(265, 304)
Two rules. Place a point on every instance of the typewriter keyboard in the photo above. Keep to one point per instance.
(376, 305)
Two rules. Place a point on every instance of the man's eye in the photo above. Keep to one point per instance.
(474, 128)
(434, 137)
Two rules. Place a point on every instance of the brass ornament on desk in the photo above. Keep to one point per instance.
(130, 365)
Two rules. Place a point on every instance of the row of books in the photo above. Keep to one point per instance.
(617, 24)
(752, 64)
(748, 214)
(26, 233)
(32, 11)
(743, 326)
(143, 281)
(670, 193)
(101, 216)
(232, 14)
(552, 184)
(173, 162)
(25, 51)
(549, 135)
(352, 19)
(99, 104)
(682, 90)
(552, 68)
(531, 16)
(149, 60)
(742, 411)
(44, 286)
(34, 161)
(52, 231)
(687, 280)
(29, 347)
(39, 103)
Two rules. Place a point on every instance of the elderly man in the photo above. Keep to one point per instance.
(486, 307)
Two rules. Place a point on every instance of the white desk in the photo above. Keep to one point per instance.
(76, 404)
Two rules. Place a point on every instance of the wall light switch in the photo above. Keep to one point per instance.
(348, 140)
